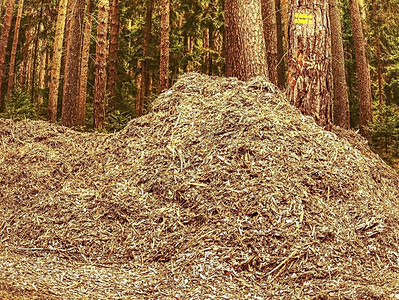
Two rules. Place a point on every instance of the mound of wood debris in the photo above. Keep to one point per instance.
(223, 191)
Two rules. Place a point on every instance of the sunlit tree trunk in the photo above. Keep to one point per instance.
(11, 76)
(113, 48)
(56, 62)
(309, 59)
(9, 9)
(100, 84)
(280, 46)
(164, 46)
(245, 43)
(70, 100)
(84, 64)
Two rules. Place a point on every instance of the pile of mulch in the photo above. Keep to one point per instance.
(223, 191)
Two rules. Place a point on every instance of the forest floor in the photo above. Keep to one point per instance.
(223, 191)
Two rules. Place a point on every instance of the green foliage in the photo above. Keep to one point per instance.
(19, 107)
(116, 120)
(385, 130)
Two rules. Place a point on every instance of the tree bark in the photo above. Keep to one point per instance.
(113, 48)
(9, 10)
(270, 34)
(245, 43)
(70, 113)
(56, 62)
(145, 77)
(363, 69)
(309, 59)
(100, 84)
(84, 64)
(341, 101)
(164, 46)
(35, 55)
(280, 46)
(11, 76)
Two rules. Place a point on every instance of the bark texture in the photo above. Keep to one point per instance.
(70, 113)
(280, 46)
(164, 46)
(113, 49)
(341, 101)
(270, 34)
(9, 9)
(363, 69)
(309, 59)
(245, 43)
(56, 62)
(11, 76)
(84, 64)
(100, 84)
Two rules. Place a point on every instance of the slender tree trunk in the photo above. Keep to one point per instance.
(84, 64)
(69, 114)
(270, 34)
(56, 62)
(42, 72)
(245, 43)
(309, 59)
(164, 46)
(280, 46)
(11, 77)
(363, 69)
(145, 64)
(113, 49)
(206, 46)
(100, 84)
(9, 9)
(35, 55)
(341, 101)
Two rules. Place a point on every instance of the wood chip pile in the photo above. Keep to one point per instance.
(224, 191)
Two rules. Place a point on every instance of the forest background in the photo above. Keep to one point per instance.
(120, 57)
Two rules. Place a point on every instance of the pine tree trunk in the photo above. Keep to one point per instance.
(341, 101)
(35, 55)
(11, 77)
(42, 72)
(378, 55)
(363, 69)
(70, 113)
(84, 64)
(100, 84)
(164, 47)
(245, 43)
(9, 9)
(280, 46)
(309, 59)
(56, 62)
(144, 90)
(270, 34)
(113, 48)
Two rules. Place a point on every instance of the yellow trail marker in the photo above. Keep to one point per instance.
(302, 18)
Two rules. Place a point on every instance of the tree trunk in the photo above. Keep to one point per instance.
(144, 91)
(309, 59)
(341, 101)
(100, 84)
(84, 64)
(164, 47)
(378, 55)
(363, 69)
(42, 72)
(11, 76)
(56, 62)
(35, 55)
(113, 48)
(4, 41)
(270, 34)
(280, 46)
(245, 43)
(70, 113)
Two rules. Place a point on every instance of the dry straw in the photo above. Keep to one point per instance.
(223, 191)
